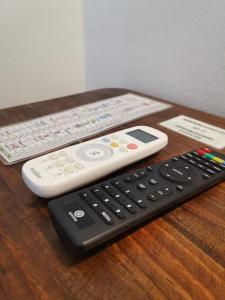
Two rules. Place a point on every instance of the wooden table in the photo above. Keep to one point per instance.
(180, 255)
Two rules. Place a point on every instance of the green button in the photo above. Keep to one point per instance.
(208, 155)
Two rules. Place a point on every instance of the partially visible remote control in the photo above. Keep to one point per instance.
(92, 216)
(64, 170)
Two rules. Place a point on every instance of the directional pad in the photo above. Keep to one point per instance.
(174, 172)
(94, 152)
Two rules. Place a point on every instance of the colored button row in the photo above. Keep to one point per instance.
(114, 144)
(205, 152)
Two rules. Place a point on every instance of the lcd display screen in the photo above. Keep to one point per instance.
(142, 136)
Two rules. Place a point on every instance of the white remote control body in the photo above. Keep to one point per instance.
(72, 167)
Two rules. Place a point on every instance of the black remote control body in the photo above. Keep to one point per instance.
(91, 216)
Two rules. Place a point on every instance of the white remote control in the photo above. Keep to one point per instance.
(75, 166)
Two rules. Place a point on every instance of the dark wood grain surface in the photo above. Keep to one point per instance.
(180, 255)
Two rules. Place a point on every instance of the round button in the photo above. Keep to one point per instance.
(114, 144)
(59, 163)
(115, 137)
(68, 170)
(53, 156)
(123, 149)
(78, 166)
(62, 153)
(94, 152)
(132, 146)
(69, 160)
(106, 140)
(122, 141)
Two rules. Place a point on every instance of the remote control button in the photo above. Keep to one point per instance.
(131, 178)
(215, 168)
(206, 163)
(123, 149)
(222, 166)
(209, 156)
(192, 161)
(174, 173)
(152, 197)
(115, 137)
(106, 218)
(63, 153)
(136, 200)
(141, 187)
(131, 208)
(59, 163)
(53, 157)
(78, 166)
(70, 160)
(100, 194)
(201, 167)
(218, 160)
(94, 152)
(114, 144)
(200, 152)
(120, 214)
(207, 150)
(68, 170)
(87, 198)
(109, 203)
(84, 195)
(123, 142)
(97, 207)
(198, 159)
(184, 157)
(78, 215)
(152, 181)
(180, 187)
(141, 203)
(106, 140)
(195, 153)
(211, 161)
(132, 146)
(175, 159)
(159, 194)
(119, 185)
(189, 155)
(113, 192)
(210, 171)
(149, 168)
(206, 176)
(142, 174)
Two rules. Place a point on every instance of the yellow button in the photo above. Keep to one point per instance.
(219, 160)
(114, 144)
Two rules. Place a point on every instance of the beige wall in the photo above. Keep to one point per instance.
(41, 50)
(170, 49)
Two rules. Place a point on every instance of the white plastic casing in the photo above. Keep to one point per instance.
(72, 167)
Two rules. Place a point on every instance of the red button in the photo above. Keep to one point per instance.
(207, 150)
(201, 152)
(132, 146)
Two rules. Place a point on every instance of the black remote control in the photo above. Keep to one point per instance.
(89, 217)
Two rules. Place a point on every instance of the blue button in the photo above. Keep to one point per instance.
(106, 140)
